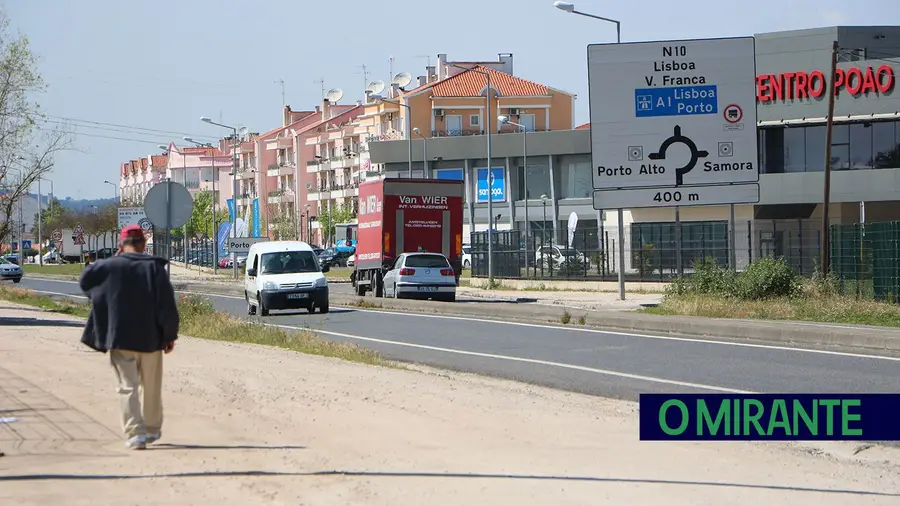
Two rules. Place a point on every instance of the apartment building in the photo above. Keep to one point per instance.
(137, 176)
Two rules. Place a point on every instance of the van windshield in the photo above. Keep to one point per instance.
(289, 262)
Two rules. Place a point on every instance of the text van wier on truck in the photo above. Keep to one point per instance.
(399, 216)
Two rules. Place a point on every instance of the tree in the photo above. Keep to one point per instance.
(26, 150)
(201, 221)
(328, 218)
(284, 223)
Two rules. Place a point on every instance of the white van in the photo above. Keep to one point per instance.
(284, 275)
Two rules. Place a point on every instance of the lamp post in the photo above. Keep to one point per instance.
(490, 178)
(215, 199)
(570, 8)
(234, 169)
(424, 152)
(379, 98)
(115, 188)
(504, 120)
(41, 217)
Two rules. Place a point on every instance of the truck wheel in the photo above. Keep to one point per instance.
(360, 290)
(378, 287)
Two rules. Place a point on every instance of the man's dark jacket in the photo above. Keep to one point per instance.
(132, 304)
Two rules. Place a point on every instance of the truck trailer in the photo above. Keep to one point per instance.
(399, 215)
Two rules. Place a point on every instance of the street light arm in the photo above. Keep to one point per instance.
(601, 18)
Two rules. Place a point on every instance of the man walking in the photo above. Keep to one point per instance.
(134, 317)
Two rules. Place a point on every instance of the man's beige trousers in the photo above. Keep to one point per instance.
(140, 390)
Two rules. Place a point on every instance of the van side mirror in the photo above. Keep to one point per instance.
(251, 272)
(326, 268)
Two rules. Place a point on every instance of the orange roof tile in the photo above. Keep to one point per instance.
(159, 160)
(470, 84)
(585, 126)
(143, 163)
(199, 150)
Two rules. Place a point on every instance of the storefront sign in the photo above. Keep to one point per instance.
(856, 81)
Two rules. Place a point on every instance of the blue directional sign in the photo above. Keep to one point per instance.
(677, 101)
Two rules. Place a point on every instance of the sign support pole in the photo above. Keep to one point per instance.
(679, 259)
(732, 255)
(168, 225)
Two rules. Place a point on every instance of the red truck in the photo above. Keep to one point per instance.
(398, 215)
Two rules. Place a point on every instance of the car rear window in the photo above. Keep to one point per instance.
(427, 261)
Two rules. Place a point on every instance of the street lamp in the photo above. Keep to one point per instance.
(234, 167)
(115, 187)
(424, 151)
(379, 98)
(490, 173)
(504, 120)
(570, 8)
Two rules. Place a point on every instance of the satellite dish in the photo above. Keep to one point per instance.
(375, 87)
(243, 131)
(402, 79)
(309, 186)
(334, 94)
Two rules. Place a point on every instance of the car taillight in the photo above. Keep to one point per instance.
(407, 272)
(447, 272)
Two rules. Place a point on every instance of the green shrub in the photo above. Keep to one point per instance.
(709, 278)
(193, 305)
(767, 278)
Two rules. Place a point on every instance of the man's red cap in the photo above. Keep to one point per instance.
(131, 231)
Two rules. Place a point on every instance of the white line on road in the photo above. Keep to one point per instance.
(585, 330)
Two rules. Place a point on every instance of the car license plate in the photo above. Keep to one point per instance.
(297, 295)
(428, 288)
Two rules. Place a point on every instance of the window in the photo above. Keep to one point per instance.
(427, 261)
(538, 181)
(884, 145)
(289, 262)
(577, 180)
(527, 121)
(840, 147)
(861, 146)
(795, 150)
(474, 120)
(815, 149)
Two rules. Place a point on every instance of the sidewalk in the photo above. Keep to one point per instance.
(573, 299)
(255, 425)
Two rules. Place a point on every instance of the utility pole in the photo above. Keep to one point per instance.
(829, 126)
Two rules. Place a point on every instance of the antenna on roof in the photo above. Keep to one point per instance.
(365, 73)
(391, 66)
(427, 58)
(402, 79)
(321, 82)
(281, 82)
(333, 95)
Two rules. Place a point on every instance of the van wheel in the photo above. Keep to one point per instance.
(251, 309)
(263, 310)
(324, 307)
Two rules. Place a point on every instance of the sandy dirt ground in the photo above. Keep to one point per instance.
(254, 425)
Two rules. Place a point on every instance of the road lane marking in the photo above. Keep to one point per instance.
(584, 330)
(605, 372)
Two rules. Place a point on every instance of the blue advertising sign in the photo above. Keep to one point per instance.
(450, 174)
(230, 210)
(676, 101)
(257, 232)
(222, 238)
(497, 186)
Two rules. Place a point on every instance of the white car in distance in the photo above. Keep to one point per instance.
(421, 276)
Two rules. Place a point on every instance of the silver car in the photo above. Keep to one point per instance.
(9, 270)
(421, 276)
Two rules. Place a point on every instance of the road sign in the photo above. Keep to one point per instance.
(79, 228)
(56, 235)
(242, 244)
(26, 244)
(78, 240)
(702, 195)
(134, 216)
(168, 205)
(673, 113)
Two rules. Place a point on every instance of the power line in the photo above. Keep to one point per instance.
(78, 127)
(83, 134)
(131, 127)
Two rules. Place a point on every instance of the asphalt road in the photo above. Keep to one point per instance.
(608, 363)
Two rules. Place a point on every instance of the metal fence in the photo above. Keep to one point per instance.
(866, 259)
(189, 253)
(656, 251)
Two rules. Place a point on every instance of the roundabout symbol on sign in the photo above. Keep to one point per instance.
(733, 113)
(145, 225)
(696, 154)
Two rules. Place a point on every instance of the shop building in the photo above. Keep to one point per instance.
(792, 103)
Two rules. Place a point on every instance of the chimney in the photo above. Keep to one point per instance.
(429, 71)
(507, 60)
(318, 109)
(441, 65)
(423, 80)
(287, 116)
(326, 109)
(395, 90)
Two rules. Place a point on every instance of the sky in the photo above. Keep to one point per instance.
(145, 72)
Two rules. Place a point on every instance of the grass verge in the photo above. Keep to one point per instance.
(823, 309)
(54, 269)
(200, 320)
(500, 285)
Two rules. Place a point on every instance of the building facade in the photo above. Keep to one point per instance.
(792, 101)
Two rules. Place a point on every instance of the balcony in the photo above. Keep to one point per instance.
(457, 133)
(280, 169)
(281, 195)
(337, 163)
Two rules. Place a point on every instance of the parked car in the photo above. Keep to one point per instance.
(421, 276)
(332, 257)
(467, 256)
(559, 257)
(10, 270)
(351, 260)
